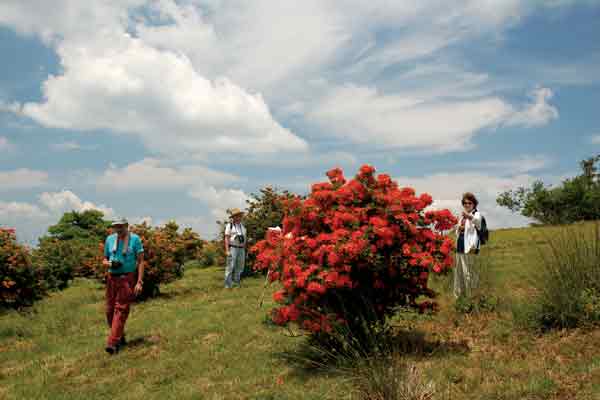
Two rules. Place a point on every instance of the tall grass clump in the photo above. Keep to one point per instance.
(567, 283)
(392, 379)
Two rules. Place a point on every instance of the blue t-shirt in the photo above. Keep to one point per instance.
(129, 259)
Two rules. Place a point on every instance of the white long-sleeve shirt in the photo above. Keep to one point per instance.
(471, 227)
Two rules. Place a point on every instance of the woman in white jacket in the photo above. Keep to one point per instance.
(467, 246)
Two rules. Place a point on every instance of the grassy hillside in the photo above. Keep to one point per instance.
(199, 341)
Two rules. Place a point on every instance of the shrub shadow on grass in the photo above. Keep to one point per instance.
(308, 360)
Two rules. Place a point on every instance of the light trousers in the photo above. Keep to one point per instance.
(466, 277)
(235, 266)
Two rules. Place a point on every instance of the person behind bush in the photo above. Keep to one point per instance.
(235, 248)
(467, 246)
(123, 255)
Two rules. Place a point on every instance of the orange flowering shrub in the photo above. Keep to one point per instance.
(20, 283)
(352, 252)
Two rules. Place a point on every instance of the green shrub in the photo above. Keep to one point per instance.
(567, 285)
(20, 282)
(208, 254)
(60, 261)
(478, 303)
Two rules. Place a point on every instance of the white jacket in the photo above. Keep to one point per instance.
(471, 227)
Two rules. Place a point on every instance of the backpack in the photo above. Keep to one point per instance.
(483, 233)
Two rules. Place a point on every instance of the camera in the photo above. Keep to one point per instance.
(241, 238)
(116, 264)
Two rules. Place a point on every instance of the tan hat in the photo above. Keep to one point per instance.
(120, 221)
(235, 211)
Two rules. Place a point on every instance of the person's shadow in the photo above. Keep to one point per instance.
(141, 341)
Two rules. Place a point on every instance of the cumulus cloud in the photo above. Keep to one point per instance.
(220, 200)
(170, 106)
(32, 219)
(60, 202)
(153, 174)
(22, 178)
(208, 186)
(20, 209)
(107, 83)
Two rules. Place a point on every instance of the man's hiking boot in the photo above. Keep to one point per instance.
(122, 342)
(112, 350)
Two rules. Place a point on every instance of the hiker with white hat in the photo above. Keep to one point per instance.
(235, 248)
(123, 256)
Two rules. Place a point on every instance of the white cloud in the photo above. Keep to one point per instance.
(9, 107)
(69, 146)
(595, 139)
(60, 202)
(538, 112)
(107, 83)
(19, 209)
(22, 178)
(520, 165)
(169, 106)
(220, 200)
(65, 18)
(364, 115)
(447, 190)
(199, 182)
(418, 119)
(154, 174)
(32, 219)
(211, 59)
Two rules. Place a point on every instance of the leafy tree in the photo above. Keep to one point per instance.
(88, 225)
(69, 247)
(576, 199)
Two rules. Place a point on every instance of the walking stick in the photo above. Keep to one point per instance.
(262, 295)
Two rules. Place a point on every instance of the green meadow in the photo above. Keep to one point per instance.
(200, 341)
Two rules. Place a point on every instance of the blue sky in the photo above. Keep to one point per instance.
(164, 109)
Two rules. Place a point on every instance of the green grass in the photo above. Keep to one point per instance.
(199, 341)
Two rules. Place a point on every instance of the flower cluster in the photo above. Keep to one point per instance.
(359, 246)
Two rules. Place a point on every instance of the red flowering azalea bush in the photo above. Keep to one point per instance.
(352, 252)
(20, 283)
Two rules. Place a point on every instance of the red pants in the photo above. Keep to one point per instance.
(119, 296)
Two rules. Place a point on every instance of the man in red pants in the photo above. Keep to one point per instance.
(123, 255)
